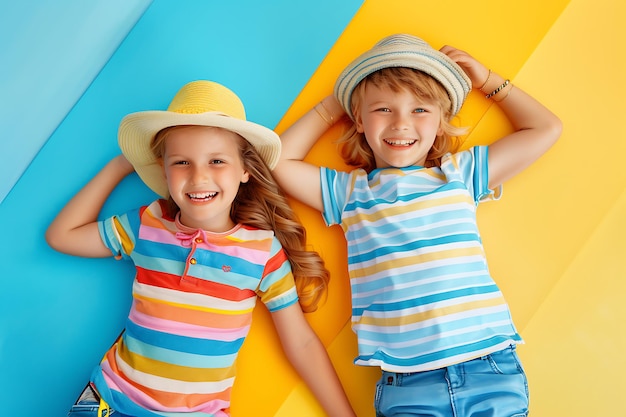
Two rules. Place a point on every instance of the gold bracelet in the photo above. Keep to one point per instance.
(486, 81)
(328, 112)
(497, 90)
(328, 122)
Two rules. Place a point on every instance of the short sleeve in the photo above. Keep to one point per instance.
(472, 168)
(335, 187)
(118, 233)
(277, 289)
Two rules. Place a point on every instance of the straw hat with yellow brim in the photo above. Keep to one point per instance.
(198, 103)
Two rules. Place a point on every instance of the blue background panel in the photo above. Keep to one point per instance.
(82, 66)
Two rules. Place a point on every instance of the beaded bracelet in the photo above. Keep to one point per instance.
(497, 90)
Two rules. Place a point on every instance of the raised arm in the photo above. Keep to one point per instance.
(74, 231)
(298, 178)
(536, 127)
(309, 358)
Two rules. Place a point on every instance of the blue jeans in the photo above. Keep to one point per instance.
(87, 406)
(492, 386)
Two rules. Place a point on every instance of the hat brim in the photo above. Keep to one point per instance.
(137, 130)
(409, 52)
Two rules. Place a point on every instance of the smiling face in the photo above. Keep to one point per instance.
(203, 169)
(399, 127)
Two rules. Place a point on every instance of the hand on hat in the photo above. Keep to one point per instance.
(477, 72)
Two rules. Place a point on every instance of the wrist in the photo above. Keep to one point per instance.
(496, 87)
(329, 110)
(121, 165)
(334, 107)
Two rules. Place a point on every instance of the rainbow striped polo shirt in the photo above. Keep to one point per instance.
(193, 297)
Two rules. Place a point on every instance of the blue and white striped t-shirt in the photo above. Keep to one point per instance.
(422, 294)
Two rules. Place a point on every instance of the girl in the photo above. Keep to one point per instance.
(424, 305)
(224, 236)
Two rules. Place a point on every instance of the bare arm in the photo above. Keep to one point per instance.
(75, 231)
(308, 356)
(298, 178)
(536, 127)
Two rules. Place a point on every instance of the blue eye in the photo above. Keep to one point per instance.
(419, 110)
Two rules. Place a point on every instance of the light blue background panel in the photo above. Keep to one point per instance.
(70, 71)
(50, 51)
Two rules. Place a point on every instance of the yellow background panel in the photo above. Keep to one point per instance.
(555, 241)
(576, 341)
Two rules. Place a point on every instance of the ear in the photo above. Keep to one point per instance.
(358, 124)
(245, 177)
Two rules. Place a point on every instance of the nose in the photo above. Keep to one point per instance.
(199, 175)
(399, 122)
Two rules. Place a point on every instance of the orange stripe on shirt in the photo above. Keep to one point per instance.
(197, 317)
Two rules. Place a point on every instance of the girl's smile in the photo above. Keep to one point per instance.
(201, 196)
(204, 170)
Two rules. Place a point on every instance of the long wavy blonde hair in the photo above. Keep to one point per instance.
(261, 203)
(354, 147)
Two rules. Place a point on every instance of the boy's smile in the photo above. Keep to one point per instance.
(398, 126)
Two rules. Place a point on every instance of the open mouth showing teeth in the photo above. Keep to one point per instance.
(201, 196)
(400, 142)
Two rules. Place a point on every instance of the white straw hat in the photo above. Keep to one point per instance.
(199, 103)
(408, 51)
